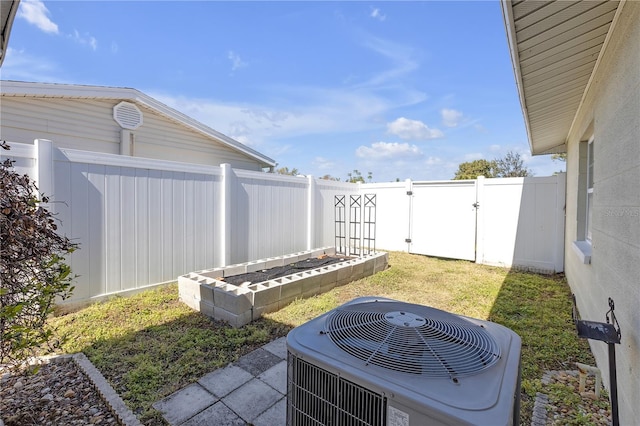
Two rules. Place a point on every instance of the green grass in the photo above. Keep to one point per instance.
(150, 345)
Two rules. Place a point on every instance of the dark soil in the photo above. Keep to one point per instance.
(281, 271)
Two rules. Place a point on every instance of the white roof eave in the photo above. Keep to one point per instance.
(533, 119)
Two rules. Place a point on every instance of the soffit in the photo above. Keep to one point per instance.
(8, 10)
(555, 48)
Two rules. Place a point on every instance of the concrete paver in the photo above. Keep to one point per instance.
(274, 416)
(258, 361)
(251, 390)
(225, 380)
(252, 399)
(277, 347)
(276, 377)
(184, 404)
(216, 415)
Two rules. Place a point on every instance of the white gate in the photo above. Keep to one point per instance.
(443, 218)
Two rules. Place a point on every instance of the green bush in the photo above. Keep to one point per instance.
(32, 269)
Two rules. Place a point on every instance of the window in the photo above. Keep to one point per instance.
(583, 246)
(589, 206)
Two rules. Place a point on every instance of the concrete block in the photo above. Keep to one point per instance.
(291, 287)
(234, 320)
(259, 311)
(311, 283)
(188, 288)
(285, 301)
(382, 260)
(207, 308)
(233, 299)
(358, 270)
(258, 265)
(230, 271)
(368, 266)
(273, 262)
(265, 294)
(344, 272)
(206, 293)
(329, 276)
(212, 273)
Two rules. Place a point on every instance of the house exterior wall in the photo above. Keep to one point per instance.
(610, 113)
(88, 124)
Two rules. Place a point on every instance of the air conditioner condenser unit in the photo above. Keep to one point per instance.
(381, 362)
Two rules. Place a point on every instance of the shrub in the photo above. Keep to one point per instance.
(32, 269)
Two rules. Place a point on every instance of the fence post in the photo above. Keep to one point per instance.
(44, 166)
(561, 188)
(311, 213)
(224, 213)
(480, 209)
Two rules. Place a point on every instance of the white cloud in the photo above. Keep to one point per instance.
(20, 65)
(85, 39)
(36, 13)
(451, 117)
(495, 148)
(401, 56)
(322, 163)
(376, 14)
(236, 61)
(473, 156)
(388, 151)
(412, 130)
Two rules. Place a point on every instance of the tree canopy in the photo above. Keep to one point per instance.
(475, 168)
(511, 165)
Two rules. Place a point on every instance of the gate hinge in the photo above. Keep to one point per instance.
(407, 240)
(409, 192)
(476, 205)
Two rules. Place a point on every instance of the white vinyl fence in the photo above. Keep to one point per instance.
(141, 222)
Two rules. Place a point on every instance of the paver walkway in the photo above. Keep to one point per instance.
(252, 390)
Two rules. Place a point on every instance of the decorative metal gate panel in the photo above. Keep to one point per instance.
(444, 219)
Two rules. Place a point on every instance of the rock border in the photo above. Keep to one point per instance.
(114, 403)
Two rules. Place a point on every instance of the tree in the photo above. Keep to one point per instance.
(511, 165)
(473, 169)
(329, 177)
(286, 171)
(32, 271)
(356, 177)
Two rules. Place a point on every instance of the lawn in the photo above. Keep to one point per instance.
(150, 345)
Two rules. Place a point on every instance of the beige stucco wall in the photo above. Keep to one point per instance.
(88, 124)
(611, 113)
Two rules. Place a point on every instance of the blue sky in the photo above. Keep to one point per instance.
(399, 89)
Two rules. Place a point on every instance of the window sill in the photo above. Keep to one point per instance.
(583, 250)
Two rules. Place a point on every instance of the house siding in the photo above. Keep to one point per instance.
(611, 113)
(88, 124)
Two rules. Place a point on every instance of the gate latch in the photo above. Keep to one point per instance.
(476, 204)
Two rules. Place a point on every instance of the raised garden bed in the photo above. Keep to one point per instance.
(241, 300)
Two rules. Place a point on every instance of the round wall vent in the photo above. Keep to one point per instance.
(412, 339)
(127, 115)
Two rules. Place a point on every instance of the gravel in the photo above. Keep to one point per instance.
(58, 394)
(589, 408)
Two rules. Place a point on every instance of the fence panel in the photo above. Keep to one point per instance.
(141, 222)
(521, 223)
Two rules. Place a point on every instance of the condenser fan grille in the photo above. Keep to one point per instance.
(412, 339)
